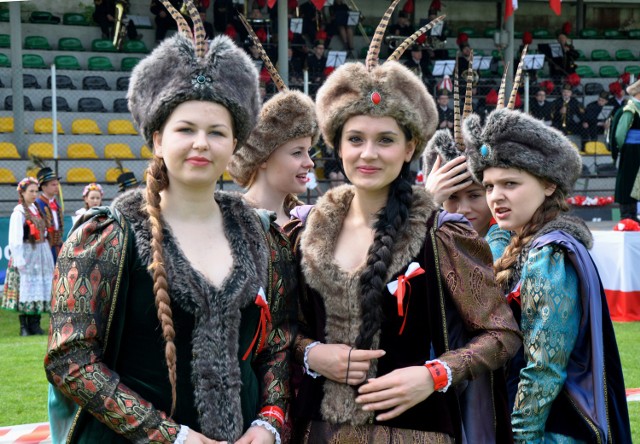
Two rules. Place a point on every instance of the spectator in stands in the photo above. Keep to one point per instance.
(296, 66)
(465, 55)
(627, 136)
(594, 123)
(164, 21)
(92, 196)
(340, 20)
(403, 26)
(565, 64)
(316, 64)
(445, 112)
(27, 285)
(618, 99)
(437, 36)
(418, 62)
(540, 108)
(567, 113)
(49, 207)
(105, 16)
(312, 21)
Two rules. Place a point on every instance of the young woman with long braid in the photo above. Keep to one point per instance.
(171, 309)
(400, 309)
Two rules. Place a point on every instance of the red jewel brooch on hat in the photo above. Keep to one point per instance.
(375, 97)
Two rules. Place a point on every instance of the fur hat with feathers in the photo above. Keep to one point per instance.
(173, 74)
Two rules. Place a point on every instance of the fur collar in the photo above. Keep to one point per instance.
(216, 310)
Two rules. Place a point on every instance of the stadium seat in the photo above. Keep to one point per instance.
(625, 55)
(66, 62)
(121, 126)
(5, 41)
(32, 172)
(62, 82)
(6, 176)
(81, 175)
(44, 125)
(134, 46)
(70, 44)
(102, 45)
(6, 124)
(600, 55)
(471, 32)
(8, 103)
(489, 33)
(581, 55)
(33, 61)
(593, 88)
(74, 19)
(29, 81)
(585, 71)
(597, 148)
(633, 33)
(4, 61)
(120, 106)
(609, 71)
(100, 63)
(81, 151)
(95, 83)
(44, 17)
(36, 42)
(8, 151)
(85, 126)
(118, 151)
(91, 105)
(633, 69)
(128, 63)
(61, 104)
(589, 33)
(112, 174)
(145, 152)
(122, 84)
(541, 33)
(4, 15)
(611, 34)
(43, 150)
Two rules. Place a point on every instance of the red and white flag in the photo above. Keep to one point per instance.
(556, 5)
(510, 7)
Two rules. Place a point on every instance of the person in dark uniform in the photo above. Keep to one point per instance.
(567, 114)
(540, 108)
(593, 123)
(164, 21)
(418, 62)
(445, 112)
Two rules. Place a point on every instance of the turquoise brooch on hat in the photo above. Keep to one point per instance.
(485, 150)
(201, 80)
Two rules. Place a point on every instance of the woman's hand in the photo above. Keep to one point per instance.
(194, 437)
(257, 435)
(399, 391)
(342, 363)
(444, 180)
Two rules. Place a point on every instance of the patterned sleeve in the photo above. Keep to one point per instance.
(498, 240)
(465, 266)
(551, 313)
(87, 278)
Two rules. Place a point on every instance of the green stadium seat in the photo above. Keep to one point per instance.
(634, 34)
(451, 53)
(100, 63)
(36, 42)
(66, 62)
(4, 61)
(600, 55)
(5, 41)
(633, 69)
(128, 63)
(471, 32)
(589, 33)
(134, 46)
(585, 71)
(4, 15)
(612, 34)
(518, 34)
(102, 45)
(496, 54)
(478, 52)
(33, 61)
(44, 17)
(74, 18)
(625, 55)
(541, 33)
(581, 55)
(489, 32)
(609, 71)
(70, 44)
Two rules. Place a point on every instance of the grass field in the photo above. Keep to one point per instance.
(23, 397)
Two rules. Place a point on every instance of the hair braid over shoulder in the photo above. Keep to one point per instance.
(157, 181)
(391, 219)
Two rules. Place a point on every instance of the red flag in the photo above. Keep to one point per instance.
(556, 5)
(271, 3)
(319, 4)
(510, 7)
(409, 7)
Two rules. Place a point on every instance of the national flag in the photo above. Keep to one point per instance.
(510, 7)
(319, 4)
(556, 5)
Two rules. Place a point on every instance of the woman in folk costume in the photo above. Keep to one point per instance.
(400, 309)
(451, 183)
(273, 164)
(92, 196)
(27, 286)
(171, 309)
(566, 382)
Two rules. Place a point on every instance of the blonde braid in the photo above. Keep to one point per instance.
(157, 181)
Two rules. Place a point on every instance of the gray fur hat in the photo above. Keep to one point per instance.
(634, 88)
(173, 74)
(512, 139)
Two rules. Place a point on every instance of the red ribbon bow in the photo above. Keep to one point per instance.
(33, 230)
(261, 331)
(514, 296)
(399, 288)
(53, 205)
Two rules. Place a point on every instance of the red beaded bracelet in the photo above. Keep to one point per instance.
(274, 412)
(439, 375)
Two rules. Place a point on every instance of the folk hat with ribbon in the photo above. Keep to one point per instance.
(126, 180)
(387, 90)
(45, 175)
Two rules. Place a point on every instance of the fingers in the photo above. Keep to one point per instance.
(436, 164)
(366, 355)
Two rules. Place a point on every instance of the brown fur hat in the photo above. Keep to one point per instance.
(173, 74)
(512, 139)
(634, 88)
(349, 92)
(286, 116)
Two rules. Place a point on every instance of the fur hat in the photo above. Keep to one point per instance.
(634, 88)
(174, 73)
(388, 90)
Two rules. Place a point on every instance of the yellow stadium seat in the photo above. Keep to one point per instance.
(41, 149)
(145, 152)
(6, 176)
(8, 151)
(226, 177)
(596, 148)
(112, 174)
(85, 126)
(81, 175)
(32, 172)
(6, 124)
(118, 151)
(121, 126)
(81, 151)
(44, 125)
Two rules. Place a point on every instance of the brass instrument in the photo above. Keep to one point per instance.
(119, 29)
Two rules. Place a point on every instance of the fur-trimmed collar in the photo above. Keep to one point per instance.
(216, 310)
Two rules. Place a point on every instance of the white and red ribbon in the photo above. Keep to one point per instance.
(265, 317)
(398, 288)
